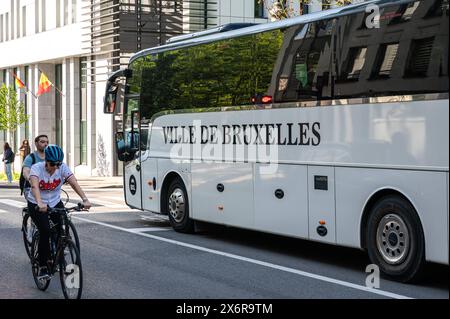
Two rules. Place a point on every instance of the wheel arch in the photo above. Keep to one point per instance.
(169, 178)
(370, 203)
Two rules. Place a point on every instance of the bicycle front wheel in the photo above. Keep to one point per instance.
(70, 271)
(74, 235)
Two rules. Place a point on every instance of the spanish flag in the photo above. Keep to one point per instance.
(19, 83)
(44, 84)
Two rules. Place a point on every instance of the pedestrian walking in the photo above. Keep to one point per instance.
(8, 159)
(24, 149)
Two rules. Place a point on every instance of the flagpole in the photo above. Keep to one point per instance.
(54, 85)
(25, 86)
(28, 90)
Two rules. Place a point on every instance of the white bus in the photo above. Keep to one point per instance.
(332, 127)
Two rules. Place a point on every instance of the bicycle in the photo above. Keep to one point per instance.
(64, 256)
(29, 228)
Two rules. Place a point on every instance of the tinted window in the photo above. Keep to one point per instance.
(328, 59)
(304, 73)
(396, 58)
(218, 74)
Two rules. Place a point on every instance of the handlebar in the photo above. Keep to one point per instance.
(78, 208)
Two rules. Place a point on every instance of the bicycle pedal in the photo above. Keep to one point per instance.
(44, 277)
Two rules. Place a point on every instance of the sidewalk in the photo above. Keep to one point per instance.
(85, 182)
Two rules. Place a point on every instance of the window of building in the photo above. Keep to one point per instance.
(24, 21)
(6, 26)
(66, 12)
(13, 36)
(326, 4)
(36, 16)
(58, 13)
(44, 16)
(385, 60)
(304, 8)
(83, 111)
(1, 28)
(419, 57)
(260, 11)
(14, 82)
(74, 11)
(18, 18)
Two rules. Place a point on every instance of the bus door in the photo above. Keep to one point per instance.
(132, 164)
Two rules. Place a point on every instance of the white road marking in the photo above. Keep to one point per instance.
(115, 198)
(107, 204)
(13, 203)
(254, 261)
(2, 211)
(147, 229)
(155, 218)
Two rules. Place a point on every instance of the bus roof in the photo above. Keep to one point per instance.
(258, 28)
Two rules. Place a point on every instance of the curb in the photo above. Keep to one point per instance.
(9, 186)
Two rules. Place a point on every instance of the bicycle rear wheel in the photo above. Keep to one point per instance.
(70, 271)
(41, 283)
(28, 230)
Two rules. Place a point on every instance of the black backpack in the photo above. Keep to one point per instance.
(23, 183)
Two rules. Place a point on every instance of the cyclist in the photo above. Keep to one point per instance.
(46, 180)
(41, 141)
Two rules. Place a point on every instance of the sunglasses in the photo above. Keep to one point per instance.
(52, 164)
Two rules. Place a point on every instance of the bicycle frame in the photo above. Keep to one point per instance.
(62, 234)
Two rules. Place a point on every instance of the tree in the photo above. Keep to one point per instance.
(12, 111)
(283, 9)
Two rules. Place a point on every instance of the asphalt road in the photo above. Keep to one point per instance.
(131, 254)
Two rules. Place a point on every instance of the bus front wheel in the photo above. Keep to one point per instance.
(178, 207)
(395, 239)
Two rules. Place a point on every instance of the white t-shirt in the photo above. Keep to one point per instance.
(50, 186)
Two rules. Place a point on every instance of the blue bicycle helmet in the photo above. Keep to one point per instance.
(54, 153)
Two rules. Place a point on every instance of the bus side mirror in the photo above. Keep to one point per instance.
(110, 99)
(124, 152)
(134, 141)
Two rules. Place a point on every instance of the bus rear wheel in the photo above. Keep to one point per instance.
(395, 239)
(178, 207)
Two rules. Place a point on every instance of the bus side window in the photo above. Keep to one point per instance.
(307, 63)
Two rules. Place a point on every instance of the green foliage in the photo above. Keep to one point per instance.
(225, 73)
(15, 175)
(12, 111)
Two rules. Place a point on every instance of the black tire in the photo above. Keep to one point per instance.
(74, 235)
(70, 271)
(27, 223)
(395, 239)
(177, 207)
(41, 284)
